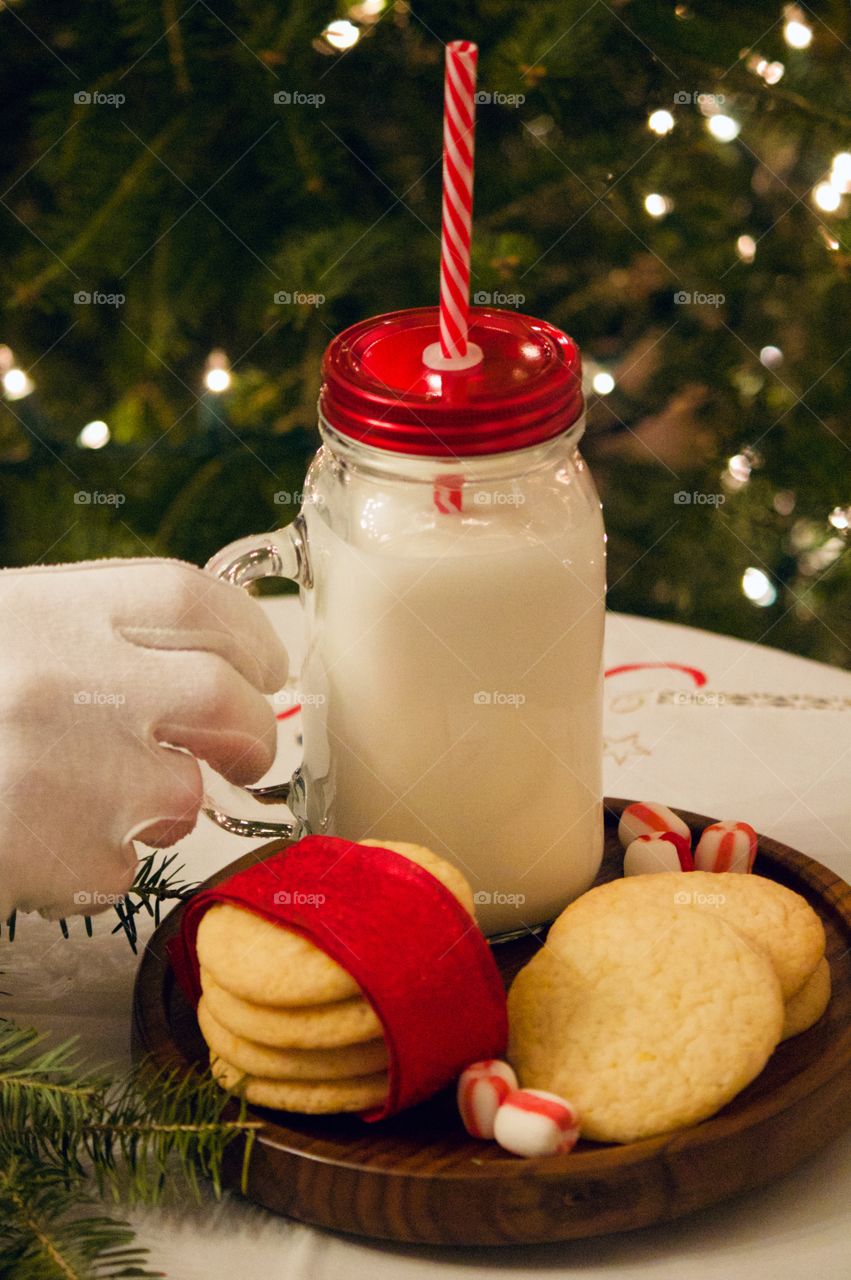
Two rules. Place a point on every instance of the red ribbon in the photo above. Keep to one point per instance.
(418, 956)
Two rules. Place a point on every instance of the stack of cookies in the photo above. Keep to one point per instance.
(286, 1025)
(657, 998)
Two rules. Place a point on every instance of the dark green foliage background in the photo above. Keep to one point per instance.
(200, 197)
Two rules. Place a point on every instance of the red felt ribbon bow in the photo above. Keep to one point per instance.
(415, 952)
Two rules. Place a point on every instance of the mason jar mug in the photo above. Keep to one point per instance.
(450, 555)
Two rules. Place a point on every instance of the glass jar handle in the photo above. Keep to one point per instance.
(282, 554)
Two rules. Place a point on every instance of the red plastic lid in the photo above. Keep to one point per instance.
(377, 390)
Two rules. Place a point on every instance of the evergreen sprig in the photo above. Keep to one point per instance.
(158, 1123)
(157, 882)
(66, 1131)
(44, 1093)
(46, 1232)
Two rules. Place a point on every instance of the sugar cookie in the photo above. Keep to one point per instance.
(311, 1097)
(805, 1008)
(775, 919)
(323, 1026)
(290, 1064)
(646, 1019)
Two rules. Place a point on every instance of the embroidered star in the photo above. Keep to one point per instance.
(623, 749)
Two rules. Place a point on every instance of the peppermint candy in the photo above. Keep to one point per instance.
(646, 818)
(532, 1122)
(648, 855)
(726, 846)
(482, 1088)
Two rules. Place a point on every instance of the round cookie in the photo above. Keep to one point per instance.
(775, 919)
(313, 1097)
(291, 1064)
(324, 1026)
(805, 1008)
(267, 963)
(647, 1020)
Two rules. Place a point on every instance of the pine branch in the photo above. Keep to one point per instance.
(176, 52)
(161, 1120)
(44, 1093)
(128, 185)
(132, 1132)
(62, 1127)
(44, 1234)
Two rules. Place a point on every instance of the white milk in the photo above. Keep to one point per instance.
(453, 696)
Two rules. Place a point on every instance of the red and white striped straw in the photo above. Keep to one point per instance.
(459, 122)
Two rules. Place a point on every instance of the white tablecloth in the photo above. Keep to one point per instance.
(697, 720)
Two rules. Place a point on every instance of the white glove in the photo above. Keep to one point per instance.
(102, 663)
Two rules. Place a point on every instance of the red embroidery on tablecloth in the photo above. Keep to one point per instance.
(699, 677)
(290, 711)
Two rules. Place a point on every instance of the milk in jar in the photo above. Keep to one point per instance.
(453, 677)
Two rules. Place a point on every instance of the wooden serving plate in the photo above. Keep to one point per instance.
(418, 1178)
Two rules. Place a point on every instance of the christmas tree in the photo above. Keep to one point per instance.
(195, 199)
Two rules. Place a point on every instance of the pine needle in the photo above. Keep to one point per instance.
(157, 881)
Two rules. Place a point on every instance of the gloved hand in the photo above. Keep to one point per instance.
(106, 667)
